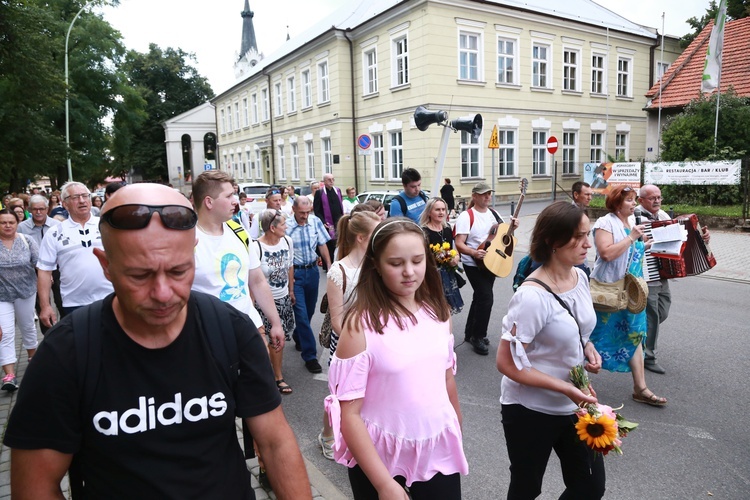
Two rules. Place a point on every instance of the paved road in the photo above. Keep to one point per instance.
(694, 448)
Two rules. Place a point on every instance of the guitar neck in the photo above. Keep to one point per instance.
(515, 213)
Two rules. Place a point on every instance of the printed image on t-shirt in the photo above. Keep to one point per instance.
(234, 285)
(278, 276)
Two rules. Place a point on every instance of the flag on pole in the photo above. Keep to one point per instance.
(712, 69)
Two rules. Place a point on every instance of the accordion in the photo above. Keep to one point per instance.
(695, 256)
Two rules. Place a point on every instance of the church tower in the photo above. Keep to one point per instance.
(248, 56)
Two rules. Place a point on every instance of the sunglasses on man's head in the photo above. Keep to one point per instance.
(138, 216)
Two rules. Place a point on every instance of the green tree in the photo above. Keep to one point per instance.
(30, 84)
(168, 85)
(32, 89)
(736, 9)
(689, 136)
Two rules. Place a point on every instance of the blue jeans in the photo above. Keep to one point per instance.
(306, 283)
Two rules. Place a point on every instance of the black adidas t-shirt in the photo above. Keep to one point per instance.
(162, 423)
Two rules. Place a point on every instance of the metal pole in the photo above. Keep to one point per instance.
(494, 194)
(441, 159)
(67, 94)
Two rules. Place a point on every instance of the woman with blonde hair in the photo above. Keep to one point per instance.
(434, 222)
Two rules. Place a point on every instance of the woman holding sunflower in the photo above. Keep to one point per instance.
(546, 334)
(434, 222)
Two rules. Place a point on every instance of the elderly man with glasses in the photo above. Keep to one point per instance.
(69, 247)
(659, 295)
(160, 420)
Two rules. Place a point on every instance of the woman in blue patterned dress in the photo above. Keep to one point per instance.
(619, 336)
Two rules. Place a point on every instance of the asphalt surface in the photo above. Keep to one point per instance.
(696, 447)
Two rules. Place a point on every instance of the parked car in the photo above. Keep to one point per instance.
(256, 194)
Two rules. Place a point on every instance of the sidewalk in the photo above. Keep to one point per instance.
(322, 488)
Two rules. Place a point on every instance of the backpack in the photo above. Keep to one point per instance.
(522, 272)
(223, 346)
(402, 202)
(239, 231)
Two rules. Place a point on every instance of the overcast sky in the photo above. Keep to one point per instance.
(212, 30)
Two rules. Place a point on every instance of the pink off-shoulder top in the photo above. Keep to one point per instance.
(406, 409)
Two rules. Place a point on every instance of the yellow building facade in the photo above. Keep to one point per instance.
(534, 73)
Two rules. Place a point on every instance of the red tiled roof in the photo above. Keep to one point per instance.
(682, 81)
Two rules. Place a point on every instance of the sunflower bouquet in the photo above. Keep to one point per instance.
(600, 426)
(445, 255)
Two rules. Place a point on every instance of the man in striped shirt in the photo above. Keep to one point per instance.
(308, 233)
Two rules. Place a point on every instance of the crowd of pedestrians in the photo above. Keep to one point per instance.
(184, 308)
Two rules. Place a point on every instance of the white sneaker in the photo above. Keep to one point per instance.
(326, 445)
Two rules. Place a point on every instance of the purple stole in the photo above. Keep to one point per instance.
(327, 210)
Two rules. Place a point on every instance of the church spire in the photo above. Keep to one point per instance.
(249, 56)
(248, 31)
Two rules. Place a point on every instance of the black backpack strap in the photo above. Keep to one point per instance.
(496, 215)
(423, 196)
(88, 350)
(214, 315)
(401, 202)
(562, 303)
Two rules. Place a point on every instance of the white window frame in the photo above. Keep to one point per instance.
(370, 71)
(471, 156)
(324, 91)
(282, 163)
(596, 142)
(396, 154)
(278, 100)
(508, 152)
(503, 57)
(598, 73)
(295, 161)
(258, 165)
(624, 76)
(571, 69)
(245, 112)
(541, 67)
(291, 97)
(470, 58)
(378, 158)
(310, 160)
(222, 121)
(237, 116)
(539, 160)
(254, 108)
(264, 110)
(622, 143)
(230, 122)
(306, 89)
(661, 69)
(569, 152)
(250, 162)
(400, 60)
(326, 150)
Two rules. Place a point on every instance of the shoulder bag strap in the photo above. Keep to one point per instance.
(562, 303)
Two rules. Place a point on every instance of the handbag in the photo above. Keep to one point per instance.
(630, 292)
(324, 337)
(460, 281)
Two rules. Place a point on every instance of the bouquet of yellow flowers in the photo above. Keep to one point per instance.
(444, 255)
(600, 426)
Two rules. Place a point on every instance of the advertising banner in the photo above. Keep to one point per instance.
(693, 172)
(604, 176)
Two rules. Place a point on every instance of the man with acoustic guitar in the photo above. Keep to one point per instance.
(471, 232)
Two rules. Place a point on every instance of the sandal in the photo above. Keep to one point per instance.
(653, 399)
(283, 387)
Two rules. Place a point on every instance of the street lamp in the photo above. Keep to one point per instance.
(67, 93)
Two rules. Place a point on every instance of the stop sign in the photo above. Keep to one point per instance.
(552, 145)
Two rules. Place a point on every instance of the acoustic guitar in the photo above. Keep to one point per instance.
(501, 243)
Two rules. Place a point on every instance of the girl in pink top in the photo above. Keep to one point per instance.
(393, 404)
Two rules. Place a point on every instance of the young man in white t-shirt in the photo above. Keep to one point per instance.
(472, 228)
(223, 265)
